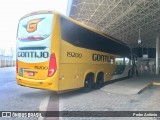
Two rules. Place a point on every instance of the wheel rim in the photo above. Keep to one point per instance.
(88, 83)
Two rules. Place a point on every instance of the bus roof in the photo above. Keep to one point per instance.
(77, 22)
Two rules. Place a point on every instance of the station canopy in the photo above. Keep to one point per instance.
(121, 19)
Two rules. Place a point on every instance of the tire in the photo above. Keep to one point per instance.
(88, 84)
(100, 81)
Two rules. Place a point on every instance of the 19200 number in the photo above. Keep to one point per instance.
(73, 54)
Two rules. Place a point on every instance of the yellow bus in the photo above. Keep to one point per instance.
(57, 53)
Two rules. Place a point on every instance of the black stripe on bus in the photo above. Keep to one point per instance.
(32, 48)
(82, 37)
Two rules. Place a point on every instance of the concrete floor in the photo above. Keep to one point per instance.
(134, 85)
(18, 98)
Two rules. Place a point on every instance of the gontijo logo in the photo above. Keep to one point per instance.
(32, 54)
(32, 25)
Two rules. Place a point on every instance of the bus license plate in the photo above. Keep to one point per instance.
(30, 73)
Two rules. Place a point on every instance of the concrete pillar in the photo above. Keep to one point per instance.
(157, 54)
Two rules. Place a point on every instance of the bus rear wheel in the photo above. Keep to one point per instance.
(88, 84)
(99, 81)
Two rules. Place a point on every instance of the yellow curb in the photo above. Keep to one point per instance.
(145, 88)
(156, 83)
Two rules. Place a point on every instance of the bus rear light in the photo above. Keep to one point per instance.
(16, 65)
(52, 65)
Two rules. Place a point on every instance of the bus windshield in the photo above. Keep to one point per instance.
(35, 27)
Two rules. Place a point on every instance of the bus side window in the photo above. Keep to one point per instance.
(112, 60)
(119, 61)
(126, 61)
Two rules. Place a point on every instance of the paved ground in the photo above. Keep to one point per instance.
(133, 85)
(17, 98)
(103, 101)
(14, 97)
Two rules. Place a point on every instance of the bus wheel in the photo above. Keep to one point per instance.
(88, 84)
(99, 81)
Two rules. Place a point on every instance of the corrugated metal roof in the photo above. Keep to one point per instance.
(121, 19)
